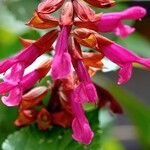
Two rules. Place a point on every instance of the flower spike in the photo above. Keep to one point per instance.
(71, 68)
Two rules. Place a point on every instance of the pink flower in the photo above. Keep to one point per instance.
(80, 125)
(28, 55)
(113, 22)
(124, 58)
(15, 85)
(61, 64)
(85, 91)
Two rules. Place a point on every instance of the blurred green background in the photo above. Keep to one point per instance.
(130, 131)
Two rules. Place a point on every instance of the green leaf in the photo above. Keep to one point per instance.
(56, 138)
(112, 144)
(7, 117)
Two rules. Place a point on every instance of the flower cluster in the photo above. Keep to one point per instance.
(70, 68)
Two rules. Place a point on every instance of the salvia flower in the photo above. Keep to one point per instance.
(80, 125)
(85, 91)
(28, 55)
(113, 51)
(16, 88)
(113, 22)
(61, 65)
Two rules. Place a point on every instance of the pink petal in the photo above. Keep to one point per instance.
(5, 87)
(30, 80)
(80, 126)
(14, 97)
(28, 55)
(124, 58)
(108, 22)
(16, 73)
(134, 13)
(86, 92)
(124, 30)
(61, 66)
(82, 132)
(125, 73)
(6, 64)
(112, 22)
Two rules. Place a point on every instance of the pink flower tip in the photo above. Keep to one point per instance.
(14, 97)
(125, 59)
(61, 66)
(86, 92)
(82, 132)
(134, 13)
(124, 30)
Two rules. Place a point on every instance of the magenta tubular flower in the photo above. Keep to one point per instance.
(80, 125)
(112, 22)
(28, 55)
(61, 64)
(85, 91)
(19, 63)
(15, 87)
(124, 58)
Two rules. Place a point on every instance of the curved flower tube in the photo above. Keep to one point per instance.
(113, 22)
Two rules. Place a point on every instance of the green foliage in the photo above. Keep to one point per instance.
(112, 144)
(7, 117)
(30, 138)
(136, 111)
(21, 9)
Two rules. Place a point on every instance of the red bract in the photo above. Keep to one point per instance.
(49, 6)
(83, 11)
(26, 117)
(33, 98)
(66, 17)
(43, 119)
(42, 21)
(107, 99)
